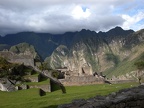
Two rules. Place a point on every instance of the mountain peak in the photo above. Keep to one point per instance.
(119, 31)
(85, 30)
(117, 28)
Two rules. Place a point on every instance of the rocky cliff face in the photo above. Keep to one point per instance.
(86, 51)
(21, 53)
(98, 51)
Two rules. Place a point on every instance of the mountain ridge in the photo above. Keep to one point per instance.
(36, 39)
(83, 50)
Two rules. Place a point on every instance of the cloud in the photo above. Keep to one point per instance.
(133, 21)
(59, 16)
(79, 13)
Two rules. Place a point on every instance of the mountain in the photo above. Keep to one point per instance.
(42, 42)
(98, 51)
(25, 49)
(109, 52)
(46, 43)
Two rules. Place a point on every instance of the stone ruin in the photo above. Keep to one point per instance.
(85, 77)
(126, 98)
(6, 85)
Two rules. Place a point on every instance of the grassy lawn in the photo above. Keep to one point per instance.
(31, 99)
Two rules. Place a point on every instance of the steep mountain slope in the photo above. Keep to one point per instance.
(46, 43)
(111, 52)
(134, 48)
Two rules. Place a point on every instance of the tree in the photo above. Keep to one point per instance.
(11, 71)
(140, 67)
(44, 66)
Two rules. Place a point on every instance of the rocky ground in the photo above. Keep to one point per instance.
(126, 98)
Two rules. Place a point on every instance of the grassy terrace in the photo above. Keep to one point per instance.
(31, 99)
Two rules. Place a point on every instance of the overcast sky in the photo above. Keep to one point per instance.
(59, 16)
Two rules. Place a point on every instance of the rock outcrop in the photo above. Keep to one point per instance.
(126, 98)
(22, 53)
(7, 85)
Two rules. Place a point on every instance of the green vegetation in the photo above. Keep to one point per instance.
(30, 98)
(22, 47)
(113, 58)
(140, 67)
(125, 66)
(121, 69)
(9, 70)
(13, 71)
(44, 66)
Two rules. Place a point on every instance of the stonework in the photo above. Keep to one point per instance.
(126, 98)
(84, 77)
(32, 78)
(81, 80)
(6, 85)
(45, 87)
(23, 87)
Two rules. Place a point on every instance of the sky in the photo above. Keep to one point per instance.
(59, 16)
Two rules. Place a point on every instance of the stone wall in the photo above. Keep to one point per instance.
(81, 80)
(22, 87)
(32, 78)
(127, 98)
(45, 87)
(120, 81)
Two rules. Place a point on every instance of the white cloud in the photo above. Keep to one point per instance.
(79, 13)
(131, 21)
(59, 16)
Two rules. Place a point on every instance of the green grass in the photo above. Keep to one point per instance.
(123, 67)
(31, 99)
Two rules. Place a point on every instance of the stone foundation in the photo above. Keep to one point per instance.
(120, 81)
(32, 78)
(46, 88)
(81, 80)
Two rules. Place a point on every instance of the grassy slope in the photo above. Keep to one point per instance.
(121, 69)
(126, 65)
(30, 98)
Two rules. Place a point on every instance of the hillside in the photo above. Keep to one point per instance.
(111, 52)
(46, 43)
